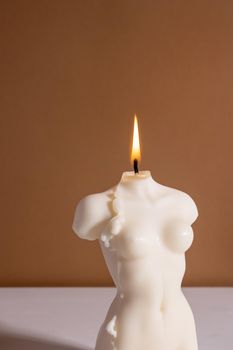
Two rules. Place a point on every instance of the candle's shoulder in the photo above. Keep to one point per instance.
(188, 206)
(181, 204)
(91, 215)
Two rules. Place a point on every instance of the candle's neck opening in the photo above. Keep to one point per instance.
(140, 183)
(132, 177)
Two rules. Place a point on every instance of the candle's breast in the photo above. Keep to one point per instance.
(139, 229)
(177, 236)
(139, 238)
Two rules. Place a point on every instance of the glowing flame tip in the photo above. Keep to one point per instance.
(135, 152)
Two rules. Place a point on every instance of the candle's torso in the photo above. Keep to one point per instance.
(144, 231)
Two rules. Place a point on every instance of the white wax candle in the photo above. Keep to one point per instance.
(144, 229)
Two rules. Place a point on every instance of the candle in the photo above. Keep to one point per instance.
(144, 229)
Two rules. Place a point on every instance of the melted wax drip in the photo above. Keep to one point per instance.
(114, 226)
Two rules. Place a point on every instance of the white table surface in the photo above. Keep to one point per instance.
(69, 318)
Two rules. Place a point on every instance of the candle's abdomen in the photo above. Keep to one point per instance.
(138, 323)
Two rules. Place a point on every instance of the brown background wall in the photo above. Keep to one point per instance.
(73, 73)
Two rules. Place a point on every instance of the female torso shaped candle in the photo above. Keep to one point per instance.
(144, 229)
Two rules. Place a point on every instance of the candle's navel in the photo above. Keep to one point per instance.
(162, 306)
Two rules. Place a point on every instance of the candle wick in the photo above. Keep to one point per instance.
(135, 166)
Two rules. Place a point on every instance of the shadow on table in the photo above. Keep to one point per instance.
(11, 341)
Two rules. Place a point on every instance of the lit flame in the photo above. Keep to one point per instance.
(135, 152)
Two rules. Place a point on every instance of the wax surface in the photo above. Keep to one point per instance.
(144, 229)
